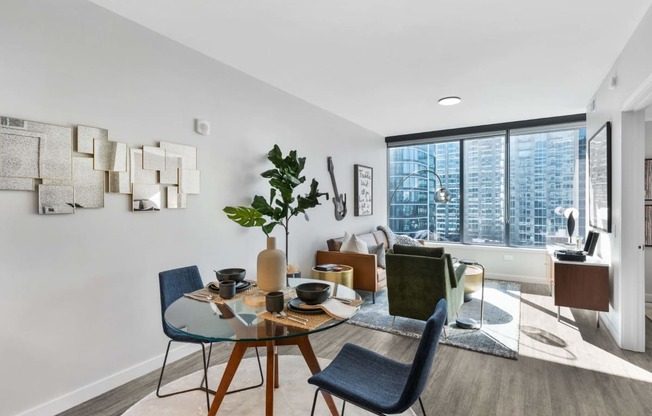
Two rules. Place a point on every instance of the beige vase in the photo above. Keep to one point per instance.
(271, 267)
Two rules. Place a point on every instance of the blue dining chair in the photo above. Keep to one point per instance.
(172, 285)
(376, 383)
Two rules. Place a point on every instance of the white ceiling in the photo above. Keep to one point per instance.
(384, 63)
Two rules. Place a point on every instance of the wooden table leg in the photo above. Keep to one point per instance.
(276, 379)
(269, 383)
(309, 355)
(231, 367)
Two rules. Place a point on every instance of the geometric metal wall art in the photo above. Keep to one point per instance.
(86, 135)
(56, 199)
(88, 183)
(170, 175)
(39, 157)
(29, 149)
(189, 181)
(138, 174)
(110, 156)
(146, 198)
(175, 199)
(153, 158)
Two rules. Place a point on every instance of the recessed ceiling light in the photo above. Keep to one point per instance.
(450, 100)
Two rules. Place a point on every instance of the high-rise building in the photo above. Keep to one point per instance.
(536, 171)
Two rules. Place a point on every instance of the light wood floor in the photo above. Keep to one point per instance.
(564, 368)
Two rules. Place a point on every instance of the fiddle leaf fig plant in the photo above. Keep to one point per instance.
(282, 204)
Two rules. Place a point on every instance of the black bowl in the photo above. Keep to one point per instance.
(313, 293)
(231, 274)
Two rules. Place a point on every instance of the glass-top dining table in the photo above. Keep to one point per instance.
(244, 321)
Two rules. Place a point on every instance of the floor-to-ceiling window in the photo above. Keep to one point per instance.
(509, 186)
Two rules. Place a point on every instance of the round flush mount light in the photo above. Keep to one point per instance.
(450, 100)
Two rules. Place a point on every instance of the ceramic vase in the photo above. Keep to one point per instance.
(271, 268)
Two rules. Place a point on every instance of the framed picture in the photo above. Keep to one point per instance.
(648, 226)
(648, 179)
(600, 179)
(364, 190)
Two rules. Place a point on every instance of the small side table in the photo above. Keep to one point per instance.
(470, 323)
(344, 276)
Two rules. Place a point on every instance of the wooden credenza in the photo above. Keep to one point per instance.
(583, 285)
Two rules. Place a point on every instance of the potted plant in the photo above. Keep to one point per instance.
(282, 205)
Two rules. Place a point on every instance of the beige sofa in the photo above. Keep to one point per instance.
(367, 275)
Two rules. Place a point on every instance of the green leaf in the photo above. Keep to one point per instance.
(245, 216)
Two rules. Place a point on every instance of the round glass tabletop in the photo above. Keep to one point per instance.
(238, 320)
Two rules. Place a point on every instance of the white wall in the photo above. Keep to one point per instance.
(79, 293)
(648, 252)
(633, 68)
(514, 264)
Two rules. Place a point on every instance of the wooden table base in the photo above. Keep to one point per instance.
(272, 380)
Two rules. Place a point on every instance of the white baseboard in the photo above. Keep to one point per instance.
(518, 278)
(613, 330)
(94, 389)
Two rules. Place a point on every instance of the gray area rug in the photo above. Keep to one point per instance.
(498, 336)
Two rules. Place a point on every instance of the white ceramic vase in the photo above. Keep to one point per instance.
(271, 267)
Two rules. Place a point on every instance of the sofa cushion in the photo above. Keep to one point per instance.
(419, 251)
(372, 238)
(379, 251)
(354, 244)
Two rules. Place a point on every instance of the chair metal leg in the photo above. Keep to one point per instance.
(373, 297)
(205, 362)
(343, 405)
(160, 379)
(393, 320)
(314, 402)
(260, 370)
(423, 410)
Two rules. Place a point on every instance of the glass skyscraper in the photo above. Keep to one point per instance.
(510, 185)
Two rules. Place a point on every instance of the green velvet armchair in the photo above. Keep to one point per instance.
(417, 277)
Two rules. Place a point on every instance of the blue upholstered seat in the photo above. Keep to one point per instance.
(379, 384)
(172, 285)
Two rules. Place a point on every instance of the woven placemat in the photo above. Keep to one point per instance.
(313, 321)
(257, 297)
(205, 295)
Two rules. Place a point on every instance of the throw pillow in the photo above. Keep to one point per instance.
(393, 238)
(353, 244)
(379, 251)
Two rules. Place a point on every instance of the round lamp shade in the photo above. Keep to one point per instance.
(442, 195)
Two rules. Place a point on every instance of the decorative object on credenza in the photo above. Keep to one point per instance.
(570, 214)
(600, 179)
(31, 152)
(364, 190)
(339, 200)
(283, 204)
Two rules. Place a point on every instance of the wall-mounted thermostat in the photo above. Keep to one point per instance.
(202, 127)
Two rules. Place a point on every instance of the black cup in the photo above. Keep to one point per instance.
(274, 301)
(227, 289)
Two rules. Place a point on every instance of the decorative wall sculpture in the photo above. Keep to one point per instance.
(38, 156)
